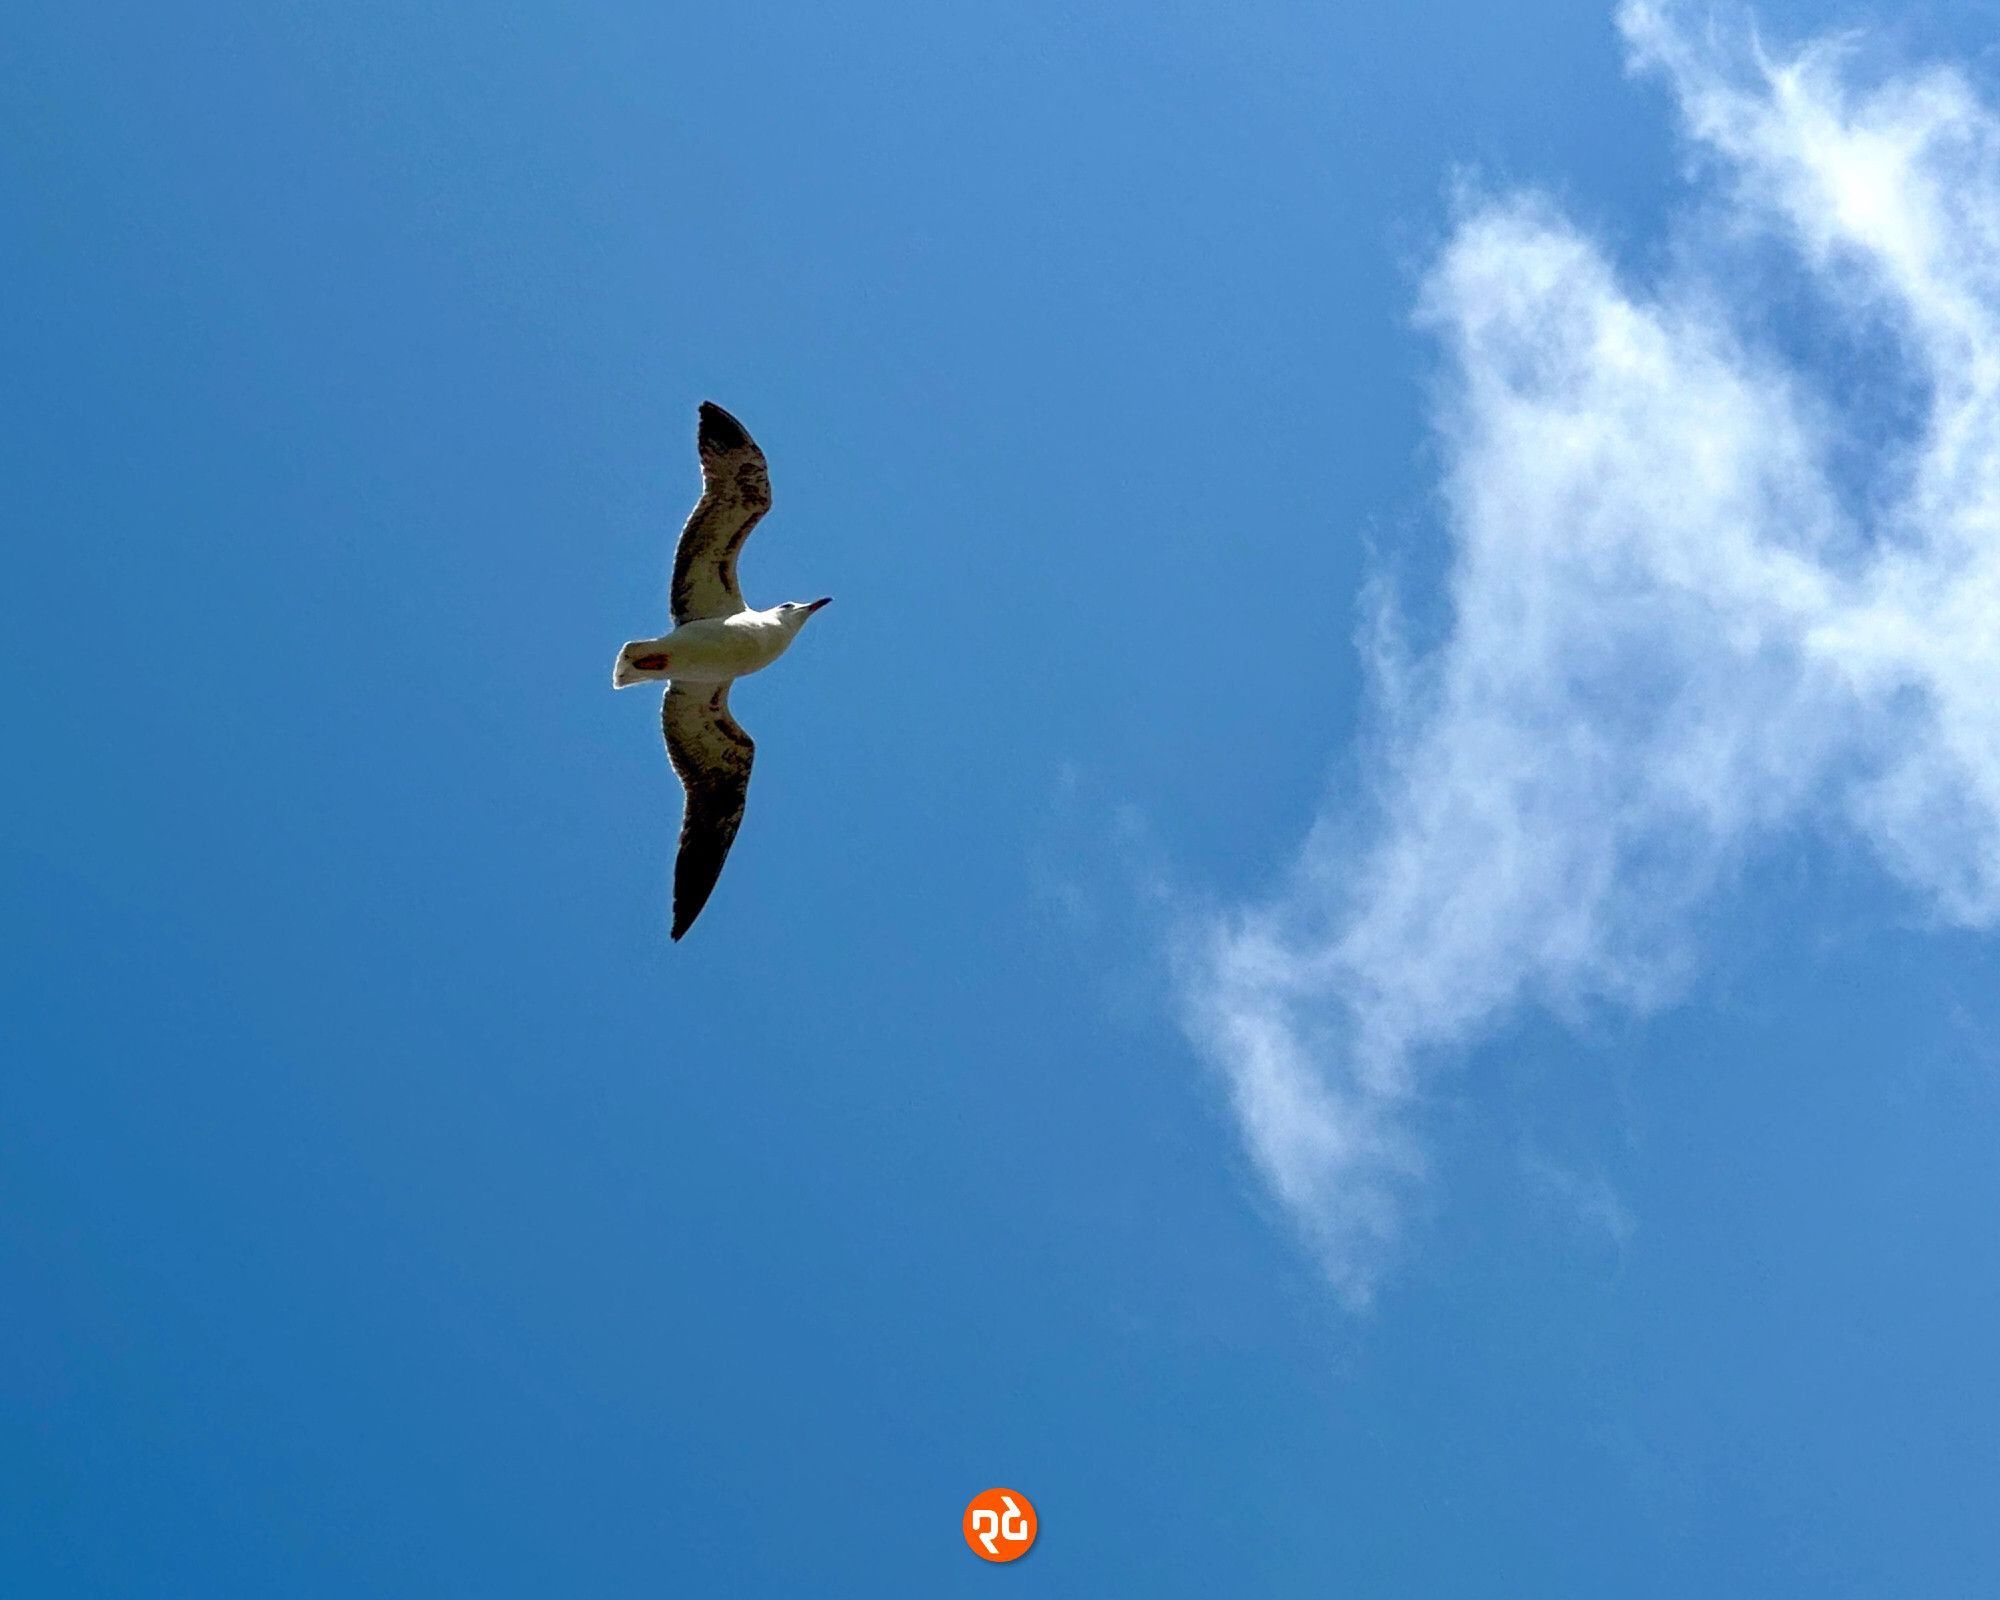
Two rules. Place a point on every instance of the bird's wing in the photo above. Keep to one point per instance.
(712, 755)
(735, 492)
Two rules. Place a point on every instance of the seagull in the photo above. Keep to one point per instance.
(716, 639)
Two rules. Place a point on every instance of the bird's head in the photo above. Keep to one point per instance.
(793, 613)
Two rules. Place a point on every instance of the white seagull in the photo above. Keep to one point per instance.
(716, 640)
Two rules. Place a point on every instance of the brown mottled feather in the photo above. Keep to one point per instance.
(735, 492)
(712, 755)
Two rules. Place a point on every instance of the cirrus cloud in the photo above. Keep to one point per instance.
(1700, 593)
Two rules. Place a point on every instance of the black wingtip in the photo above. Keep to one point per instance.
(719, 430)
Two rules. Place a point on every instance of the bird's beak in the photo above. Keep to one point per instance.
(826, 601)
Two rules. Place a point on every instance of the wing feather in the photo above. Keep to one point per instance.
(712, 755)
(735, 492)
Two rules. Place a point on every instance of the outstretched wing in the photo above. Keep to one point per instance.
(712, 755)
(735, 492)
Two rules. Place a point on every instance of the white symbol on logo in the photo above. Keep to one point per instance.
(1013, 1527)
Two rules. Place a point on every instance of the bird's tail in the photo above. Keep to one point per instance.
(641, 661)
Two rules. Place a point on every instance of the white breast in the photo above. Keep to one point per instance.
(715, 648)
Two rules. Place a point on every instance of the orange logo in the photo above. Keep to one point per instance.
(999, 1525)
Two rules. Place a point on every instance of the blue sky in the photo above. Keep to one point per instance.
(1210, 1020)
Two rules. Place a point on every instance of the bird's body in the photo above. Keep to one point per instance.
(708, 649)
(716, 639)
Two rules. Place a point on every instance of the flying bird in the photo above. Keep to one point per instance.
(716, 639)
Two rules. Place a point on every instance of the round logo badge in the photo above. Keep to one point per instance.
(999, 1525)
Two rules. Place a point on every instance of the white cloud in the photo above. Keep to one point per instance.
(1699, 594)
(1586, 1201)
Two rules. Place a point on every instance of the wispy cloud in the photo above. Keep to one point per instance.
(1585, 1201)
(1700, 593)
